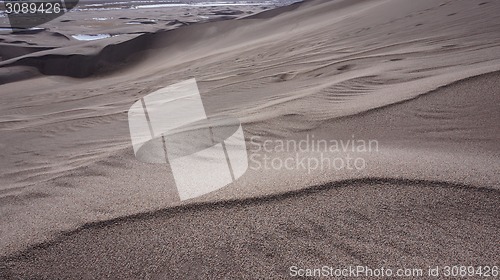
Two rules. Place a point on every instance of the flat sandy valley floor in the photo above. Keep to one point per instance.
(419, 78)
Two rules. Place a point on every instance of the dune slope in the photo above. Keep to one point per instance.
(338, 225)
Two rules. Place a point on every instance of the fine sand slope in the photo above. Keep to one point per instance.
(419, 77)
(411, 224)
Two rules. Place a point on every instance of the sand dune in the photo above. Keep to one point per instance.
(420, 77)
(338, 224)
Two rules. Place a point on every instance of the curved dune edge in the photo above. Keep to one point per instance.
(410, 222)
(481, 73)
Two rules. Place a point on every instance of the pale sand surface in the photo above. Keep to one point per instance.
(384, 70)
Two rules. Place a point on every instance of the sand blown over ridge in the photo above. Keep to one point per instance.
(329, 68)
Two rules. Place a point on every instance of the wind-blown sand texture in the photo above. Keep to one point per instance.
(420, 77)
